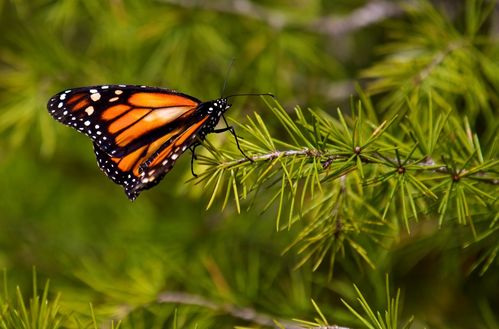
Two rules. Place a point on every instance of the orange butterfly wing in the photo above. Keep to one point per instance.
(138, 132)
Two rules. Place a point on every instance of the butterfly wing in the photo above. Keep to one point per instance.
(145, 167)
(138, 132)
(121, 118)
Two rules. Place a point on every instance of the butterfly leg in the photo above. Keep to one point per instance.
(233, 132)
(193, 157)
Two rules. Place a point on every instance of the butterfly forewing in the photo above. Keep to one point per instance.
(119, 118)
(138, 132)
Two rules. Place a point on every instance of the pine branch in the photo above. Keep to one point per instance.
(387, 319)
(327, 158)
(300, 174)
(430, 57)
(40, 312)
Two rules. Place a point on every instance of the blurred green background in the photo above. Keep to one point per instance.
(59, 213)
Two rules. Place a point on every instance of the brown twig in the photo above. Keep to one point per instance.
(243, 313)
(329, 158)
(371, 13)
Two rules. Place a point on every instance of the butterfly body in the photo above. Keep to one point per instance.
(138, 132)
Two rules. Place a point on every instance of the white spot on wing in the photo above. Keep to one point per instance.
(87, 123)
(118, 92)
(95, 97)
(114, 99)
(89, 110)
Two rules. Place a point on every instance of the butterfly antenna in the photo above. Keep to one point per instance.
(227, 76)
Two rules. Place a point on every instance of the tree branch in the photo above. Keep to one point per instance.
(276, 154)
(371, 13)
(243, 313)
(429, 163)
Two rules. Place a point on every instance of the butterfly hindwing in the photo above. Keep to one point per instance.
(163, 160)
(128, 178)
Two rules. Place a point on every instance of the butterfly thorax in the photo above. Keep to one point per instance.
(214, 111)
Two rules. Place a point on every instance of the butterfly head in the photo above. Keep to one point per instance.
(218, 106)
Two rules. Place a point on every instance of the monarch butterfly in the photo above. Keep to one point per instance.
(138, 132)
